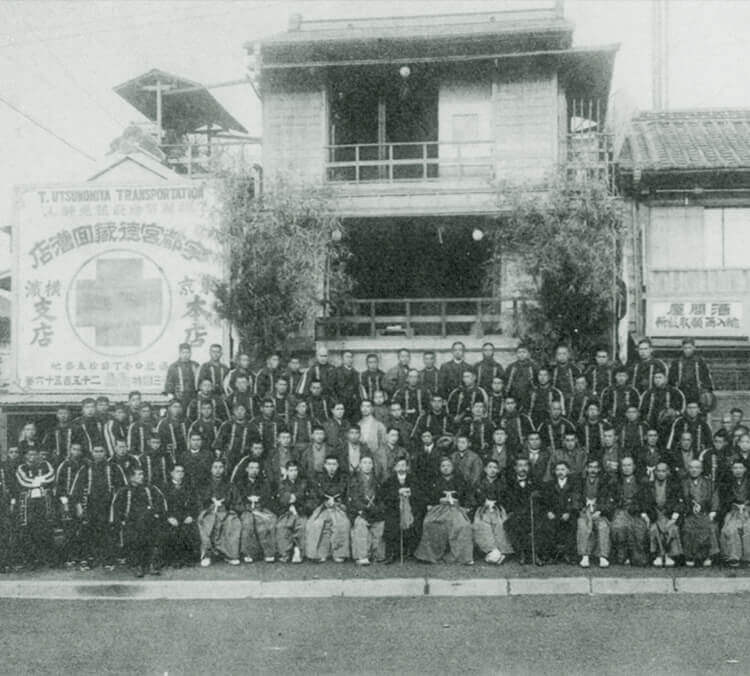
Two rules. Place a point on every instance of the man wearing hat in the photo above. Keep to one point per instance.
(182, 376)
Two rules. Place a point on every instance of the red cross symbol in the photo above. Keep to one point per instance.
(118, 302)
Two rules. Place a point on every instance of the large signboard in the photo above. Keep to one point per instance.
(696, 317)
(108, 281)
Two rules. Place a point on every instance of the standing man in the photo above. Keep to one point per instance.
(321, 371)
(462, 399)
(564, 372)
(347, 384)
(181, 380)
(34, 487)
(617, 398)
(646, 367)
(451, 372)
(214, 370)
(488, 368)
(372, 379)
(395, 378)
(661, 404)
(429, 376)
(242, 369)
(520, 378)
(57, 441)
(600, 375)
(412, 398)
(265, 379)
(690, 373)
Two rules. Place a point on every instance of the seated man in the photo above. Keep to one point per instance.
(489, 497)
(592, 533)
(327, 529)
(465, 461)
(139, 510)
(699, 537)
(523, 497)
(292, 503)
(254, 505)
(630, 523)
(446, 530)
(735, 533)
(366, 514)
(402, 512)
(218, 525)
(560, 499)
(182, 540)
(664, 500)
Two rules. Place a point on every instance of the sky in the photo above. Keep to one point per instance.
(60, 60)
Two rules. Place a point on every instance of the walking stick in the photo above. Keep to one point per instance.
(533, 544)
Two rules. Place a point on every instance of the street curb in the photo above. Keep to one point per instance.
(413, 587)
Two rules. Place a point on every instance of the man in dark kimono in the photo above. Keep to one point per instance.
(322, 371)
(327, 529)
(429, 376)
(265, 379)
(617, 398)
(630, 522)
(88, 429)
(57, 441)
(413, 399)
(488, 368)
(520, 377)
(395, 378)
(451, 372)
(690, 374)
(699, 533)
(141, 430)
(371, 380)
(347, 384)
(643, 371)
(242, 368)
(600, 376)
(214, 371)
(564, 373)
(402, 511)
(664, 507)
(172, 430)
(692, 421)
(661, 405)
(207, 394)
(180, 382)
(435, 420)
(181, 537)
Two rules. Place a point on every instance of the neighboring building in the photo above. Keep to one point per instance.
(415, 123)
(685, 176)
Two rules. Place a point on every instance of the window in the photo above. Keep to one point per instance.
(694, 237)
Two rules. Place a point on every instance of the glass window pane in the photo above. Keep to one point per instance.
(737, 238)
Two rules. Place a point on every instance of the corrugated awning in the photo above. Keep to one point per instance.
(182, 111)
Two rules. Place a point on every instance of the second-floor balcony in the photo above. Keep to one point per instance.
(419, 161)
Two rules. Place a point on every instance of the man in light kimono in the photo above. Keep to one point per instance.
(372, 430)
(735, 533)
(254, 505)
(366, 512)
(327, 529)
(218, 524)
(664, 507)
(489, 497)
(699, 536)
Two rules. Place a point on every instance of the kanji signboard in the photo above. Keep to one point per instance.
(696, 317)
(108, 281)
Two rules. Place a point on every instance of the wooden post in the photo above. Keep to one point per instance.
(373, 331)
(443, 323)
(408, 317)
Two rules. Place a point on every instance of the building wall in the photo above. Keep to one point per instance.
(525, 111)
(294, 131)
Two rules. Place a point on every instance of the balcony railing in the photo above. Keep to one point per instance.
(373, 317)
(198, 160)
(389, 162)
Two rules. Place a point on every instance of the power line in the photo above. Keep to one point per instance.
(43, 127)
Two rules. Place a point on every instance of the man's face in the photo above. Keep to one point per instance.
(145, 413)
(293, 365)
(736, 417)
(427, 438)
(136, 478)
(175, 409)
(322, 356)
(392, 437)
(207, 410)
(331, 465)
(660, 380)
(593, 469)
(13, 453)
(217, 469)
(316, 389)
(462, 443)
(400, 466)
(491, 470)
(29, 431)
(404, 358)
(627, 466)
(688, 349)
(522, 468)
(63, 415)
(580, 384)
(555, 410)
(458, 352)
(121, 449)
(32, 456)
(282, 387)
(477, 410)
(744, 443)
(178, 474)
(738, 470)
(543, 377)
(206, 387)
(285, 439)
(215, 353)
(154, 444)
(196, 442)
(661, 471)
(353, 435)
(535, 442)
(372, 364)
(366, 409)
(318, 436)
(593, 412)
(244, 361)
(348, 359)
(446, 467)
(695, 469)
(121, 415)
(429, 361)
(644, 351)
(608, 438)
(621, 378)
(632, 414)
(561, 471)
(292, 473)
(97, 453)
(488, 352)
(338, 411)
(693, 410)
(720, 443)
(437, 404)
(396, 411)
(135, 402)
(468, 378)
(253, 470)
(273, 362)
(88, 409)
(497, 385)
(569, 442)
(510, 405)
(267, 410)
(301, 408)
(256, 449)
(522, 354)
(365, 464)
(652, 437)
(75, 451)
(686, 441)
(185, 354)
(601, 358)
(562, 355)
(412, 379)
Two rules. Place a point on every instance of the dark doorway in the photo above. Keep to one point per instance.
(417, 257)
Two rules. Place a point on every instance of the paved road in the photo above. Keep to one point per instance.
(529, 635)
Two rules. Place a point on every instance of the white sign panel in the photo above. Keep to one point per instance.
(696, 318)
(108, 282)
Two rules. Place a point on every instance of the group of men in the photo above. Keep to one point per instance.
(550, 463)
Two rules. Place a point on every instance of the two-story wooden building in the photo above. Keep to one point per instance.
(685, 177)
(416, 123)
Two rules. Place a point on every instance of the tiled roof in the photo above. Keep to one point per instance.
(698, 140)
